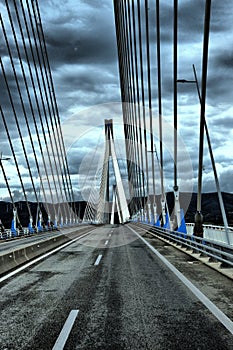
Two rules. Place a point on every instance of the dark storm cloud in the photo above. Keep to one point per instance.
(226, 180)
(86, 88)
(11, 102)
(80, 38)
(13, 91)
(225, 122)
(93, 82)
(68, 45)
(77, 156)
(224, 59)
(190, 21)
(191, 24)
(219, 75)
(82, 51)
(221, 16)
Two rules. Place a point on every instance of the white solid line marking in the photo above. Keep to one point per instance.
(64, 334)
(206, 301)
(106, 242)
(98, 260)
(2, 279)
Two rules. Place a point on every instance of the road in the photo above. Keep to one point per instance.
(109, 291)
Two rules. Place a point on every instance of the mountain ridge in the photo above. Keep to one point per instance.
(210, 208)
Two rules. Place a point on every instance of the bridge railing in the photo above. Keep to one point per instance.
(8, 234)
(216, 251)
(214, 233)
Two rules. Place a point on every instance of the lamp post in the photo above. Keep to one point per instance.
(211, 156)
(198, 228)
(4, 174)
(185, 81)
(3, 171)
(4, 158)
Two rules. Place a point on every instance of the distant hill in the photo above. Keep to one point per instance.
(210, 208)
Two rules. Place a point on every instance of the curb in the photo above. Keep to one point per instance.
(15, 258)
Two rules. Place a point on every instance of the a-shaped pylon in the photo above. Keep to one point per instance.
(103, 208)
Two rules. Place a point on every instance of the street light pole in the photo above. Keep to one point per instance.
(5, 178)
(3, 172)
(198, 229)
(225, 222)
(5, 158)
(211, 156)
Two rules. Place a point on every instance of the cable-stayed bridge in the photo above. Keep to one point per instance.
(126, 206)
(34, 118)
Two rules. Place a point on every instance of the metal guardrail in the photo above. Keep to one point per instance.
(24, 232)
(214, 233)
(219, 252)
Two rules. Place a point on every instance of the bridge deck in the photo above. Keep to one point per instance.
(126, 296)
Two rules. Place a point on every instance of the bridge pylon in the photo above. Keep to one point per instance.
(119, 202)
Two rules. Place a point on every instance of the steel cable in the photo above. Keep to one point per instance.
(46, 112)
(21, 98)
(27, 88)
(54, 147)
(57, 120)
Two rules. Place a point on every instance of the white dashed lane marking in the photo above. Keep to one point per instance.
(65, 332)
(98, 260)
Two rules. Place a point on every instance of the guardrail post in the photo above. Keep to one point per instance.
(55, 222)
(39, 226)
(49, 222)
(30, 225)
(13, 223)
(167, 222)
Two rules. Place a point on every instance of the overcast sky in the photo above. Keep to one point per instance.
(80, 37)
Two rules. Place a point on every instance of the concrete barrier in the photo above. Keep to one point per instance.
(17, 257)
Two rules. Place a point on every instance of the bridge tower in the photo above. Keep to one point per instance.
(119, 202)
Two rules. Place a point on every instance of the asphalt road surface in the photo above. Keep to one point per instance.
(107, 290)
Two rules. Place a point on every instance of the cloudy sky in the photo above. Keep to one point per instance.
(80, 37)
